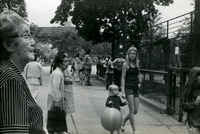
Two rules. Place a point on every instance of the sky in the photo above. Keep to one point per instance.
(41, 12)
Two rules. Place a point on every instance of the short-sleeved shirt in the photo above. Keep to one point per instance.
(118, 63)
(33, 73)
(19, 113)
(109, 67)
(117, 102)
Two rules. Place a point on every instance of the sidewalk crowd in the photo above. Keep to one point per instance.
(37, 102)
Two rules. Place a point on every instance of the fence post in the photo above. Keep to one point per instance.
(144, 75)
(169, 98)
(180, 96)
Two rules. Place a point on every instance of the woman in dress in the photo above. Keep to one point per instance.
(68, 93)
(131, 83)
(19, 113)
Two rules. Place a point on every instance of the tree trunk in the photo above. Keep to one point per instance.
(196, 42)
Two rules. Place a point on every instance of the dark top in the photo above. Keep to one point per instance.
(193, 111)
(131, 78)
(117, 102)
(18, 110)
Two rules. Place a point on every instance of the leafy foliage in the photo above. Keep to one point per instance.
(18, 6)
(107, 20)
(102, 49)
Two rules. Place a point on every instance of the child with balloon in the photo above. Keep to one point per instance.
(114, 101)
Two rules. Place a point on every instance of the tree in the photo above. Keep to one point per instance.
(71, 43)
(18, 6)
(109, 20)
(102, 49)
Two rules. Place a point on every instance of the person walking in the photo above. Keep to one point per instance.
(33, 72)
(118, 63)
(191, 101)
(88, 66)
(130, 84)
(114, 100)
(19, 113)
(55, 98)
(109, 72)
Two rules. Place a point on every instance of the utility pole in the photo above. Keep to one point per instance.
(196, 44)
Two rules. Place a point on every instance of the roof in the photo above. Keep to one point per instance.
(48, 31)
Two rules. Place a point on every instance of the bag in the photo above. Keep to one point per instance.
(56, 120)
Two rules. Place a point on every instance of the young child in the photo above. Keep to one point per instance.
(114, 100)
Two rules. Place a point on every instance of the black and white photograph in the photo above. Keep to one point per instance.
(99, 66)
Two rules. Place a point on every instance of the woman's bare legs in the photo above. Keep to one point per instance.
(133, 104)
(136, 110)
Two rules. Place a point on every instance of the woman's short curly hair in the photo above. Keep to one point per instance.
(9, 22)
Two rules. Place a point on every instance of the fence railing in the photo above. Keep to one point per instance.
(179, 26)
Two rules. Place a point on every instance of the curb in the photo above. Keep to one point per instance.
(159, 107)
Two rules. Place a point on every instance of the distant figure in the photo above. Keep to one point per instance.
(118, 63)
(88, 65)
(114, 100)
(191, 101)
(98, 65)
(33, 73)
(109, 72)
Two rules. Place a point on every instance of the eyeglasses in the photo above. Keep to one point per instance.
(25, 36)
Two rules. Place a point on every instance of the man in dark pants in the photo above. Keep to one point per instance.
(98, 65)
(118, 63)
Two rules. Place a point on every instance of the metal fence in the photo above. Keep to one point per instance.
(166, 88)
(179, 26)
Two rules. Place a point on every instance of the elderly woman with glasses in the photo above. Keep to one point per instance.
(19, 113)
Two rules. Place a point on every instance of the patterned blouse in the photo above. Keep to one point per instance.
(19, 113)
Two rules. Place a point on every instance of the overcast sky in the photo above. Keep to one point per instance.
(41, 12)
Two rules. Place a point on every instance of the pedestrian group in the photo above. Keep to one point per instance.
(22, 75)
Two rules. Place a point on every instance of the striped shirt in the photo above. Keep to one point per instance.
(19, 113)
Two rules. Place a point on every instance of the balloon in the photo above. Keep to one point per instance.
(111, 119)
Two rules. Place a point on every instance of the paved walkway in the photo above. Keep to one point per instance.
(90, 104)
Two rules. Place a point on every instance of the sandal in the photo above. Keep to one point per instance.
(123, 127)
